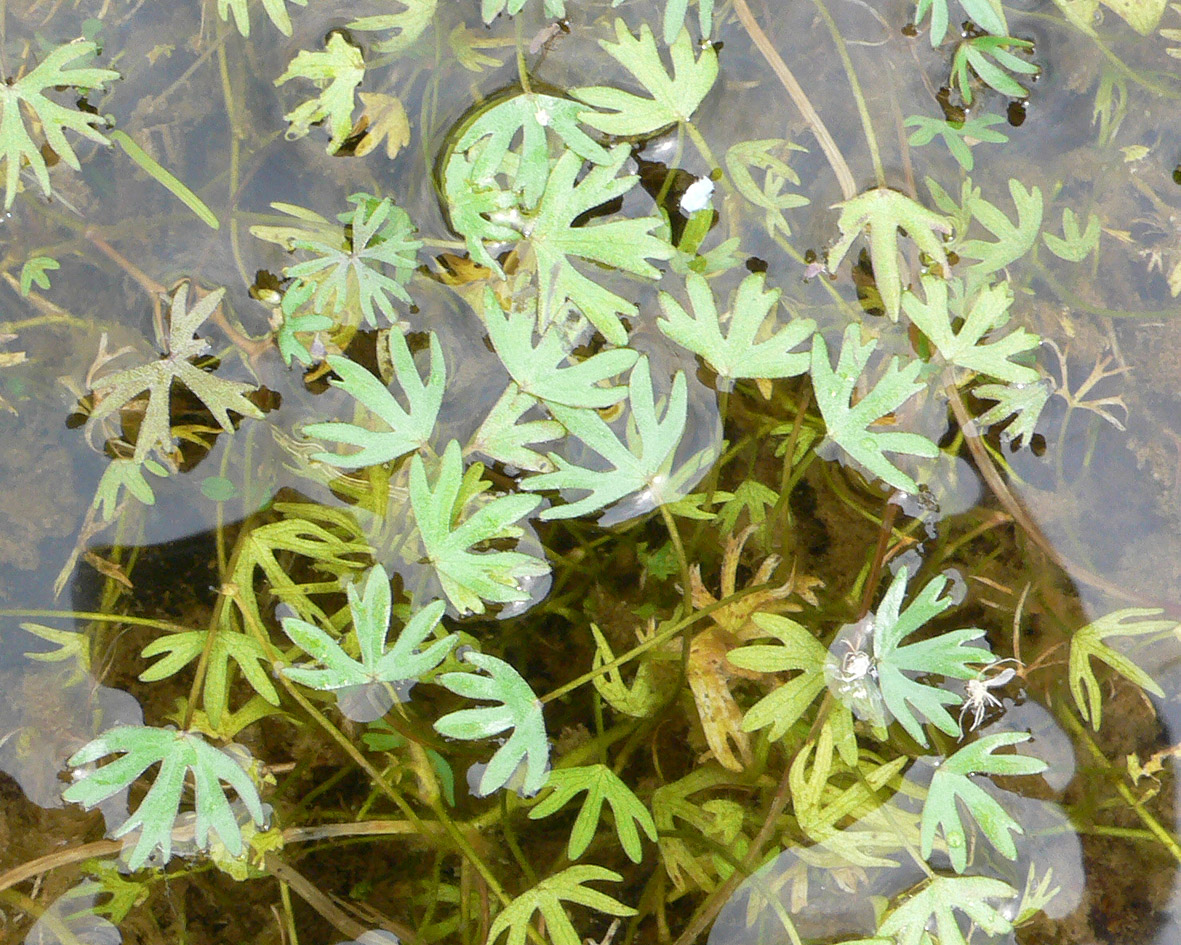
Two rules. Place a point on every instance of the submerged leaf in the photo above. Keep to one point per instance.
(547, 897)
(336, 72)
(601, 785)
(1087, 642)
(275, 9)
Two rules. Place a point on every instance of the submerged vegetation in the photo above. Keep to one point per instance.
(577, 540)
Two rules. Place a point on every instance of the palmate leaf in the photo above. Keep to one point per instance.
(746, 350)
(632, 469)
(408, 430)
(539, 370)
(851, 427)
(275, 9)
(179, 649)
(469, 578)
(408, 24)
(396, 666)
(959, 136)
(347, 270)
(674, 98)
(1024, 402)
(118, 390)
(986, 310)
(1073, 245)
(884, 212)
(952, 783)
(16, 143)
(336, 72)
(989, 15)
(517, 708)
(799, 651)
(989, 57)
(946, 654)
(503, 439)
(761, 155)
(490, 137)
(547, 898)
(910, 923)
(601, 785)
(619, 245)
(1087, 642)
(1012, 242)
(491, 9)
(178, 753)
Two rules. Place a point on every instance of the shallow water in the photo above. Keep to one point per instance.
(1087, 525)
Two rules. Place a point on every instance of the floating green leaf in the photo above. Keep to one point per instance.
(1024, 402)
(1087, 642)
(336, 72)
(503, 439)
(989, 57)
(632, 469)
(933, 908)
(946, 654)
(884, 212)
(601, 785)
(178, 752)
(517, 709)
(989, 15)
(547, 898)
(555, 239)
(959, 136)
(397, 666)
(118, 390)
(407, 25)
(53, 72)
(1012, 242)
(674, 98)
(751, 347)
(539, 370)
(275, 9)
(849, 426)
(408, 430)
(982, 313)
(347, 265)
(469, 578)
(953, 782)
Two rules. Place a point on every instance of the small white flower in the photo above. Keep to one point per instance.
(697, 196)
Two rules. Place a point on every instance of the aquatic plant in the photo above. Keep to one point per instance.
(596, 289)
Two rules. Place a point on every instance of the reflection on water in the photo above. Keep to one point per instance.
(1086, 522)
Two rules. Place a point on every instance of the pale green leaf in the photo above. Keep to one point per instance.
(491, 9)
(640, 699)
(601, 785)
(1012, 241)
(750, 496)
(884, 212)
(764, 155)
(752, 346)
(406, 25)
(933, 909)
(546, 371)
(336, 72)
(118, 390)
(616, 245)
(634, 467)
(125, 475)
(897, 665)
(396, 666)
(979, 315)
(1087, 642)
(673, 98)
(989, 58)
(989, 15)
(516, 708)
(547, 897)
(959, 136)
(275, 9)
(469, 578)
(1073, 245)
(141, 747)
(953, 782)
(854, 427)
(53, 72)
(1023, 402)
(503, 439)
(406, 430)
